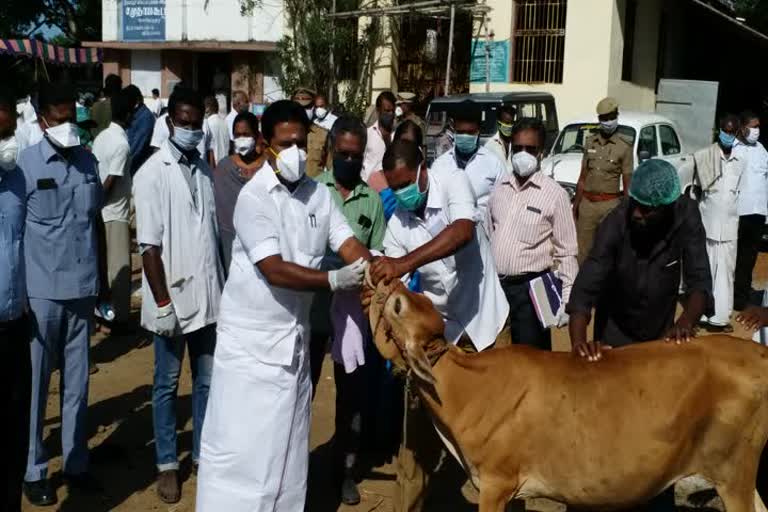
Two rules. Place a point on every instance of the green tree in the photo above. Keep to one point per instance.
(304, 54)
(77, 20)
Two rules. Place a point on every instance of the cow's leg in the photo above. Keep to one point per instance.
(492, 498)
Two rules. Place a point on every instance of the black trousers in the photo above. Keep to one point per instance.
(15, 386)
(350, 394)
(750, 233)
(524, 325)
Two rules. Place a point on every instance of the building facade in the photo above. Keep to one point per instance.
(208, 44)
(583, 50)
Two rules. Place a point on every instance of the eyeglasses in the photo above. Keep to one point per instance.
(534, 150)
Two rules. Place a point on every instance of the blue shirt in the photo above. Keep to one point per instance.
(64, 199)
(139, 134)
(13, 209)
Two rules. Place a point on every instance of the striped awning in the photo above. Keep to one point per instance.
(51, 52)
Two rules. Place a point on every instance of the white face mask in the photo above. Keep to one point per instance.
(244, 145)
(291, 163)
(609, 126)
(398, 112)
(524, 164)
(9, 149)
(753, 136)
(64, 135)
(321, 112)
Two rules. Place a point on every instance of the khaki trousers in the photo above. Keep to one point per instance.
(591, 214)
(118, 235)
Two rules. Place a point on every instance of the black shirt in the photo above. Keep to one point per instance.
(636, 296)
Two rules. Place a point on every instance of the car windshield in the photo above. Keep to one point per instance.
(440, 113)
(573, 136)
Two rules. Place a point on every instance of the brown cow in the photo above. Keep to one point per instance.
(607, 435)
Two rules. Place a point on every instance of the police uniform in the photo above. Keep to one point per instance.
(64, 198)
(606, 161)
(316, 138)
(409, 97)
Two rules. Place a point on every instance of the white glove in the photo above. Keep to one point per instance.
(349, 277)
(562, 317)
(165, 320)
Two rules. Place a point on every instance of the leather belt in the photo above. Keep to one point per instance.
(597, 197)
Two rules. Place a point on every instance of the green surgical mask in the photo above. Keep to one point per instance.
(505, 129)
(411, 198)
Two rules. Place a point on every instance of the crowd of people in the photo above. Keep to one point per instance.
(255, 235)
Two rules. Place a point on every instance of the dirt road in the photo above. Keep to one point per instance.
(122, 450)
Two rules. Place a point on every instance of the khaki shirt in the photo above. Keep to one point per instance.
(419, 121)
(315, 144)
(607, 160)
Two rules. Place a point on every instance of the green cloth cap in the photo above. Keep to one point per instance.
(655, 183)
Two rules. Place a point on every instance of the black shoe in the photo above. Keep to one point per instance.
(39, 493)
(349, 493)
(84, 482)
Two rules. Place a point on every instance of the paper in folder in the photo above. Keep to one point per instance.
(546, 293)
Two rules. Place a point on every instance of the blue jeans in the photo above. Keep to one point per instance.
(169, 353)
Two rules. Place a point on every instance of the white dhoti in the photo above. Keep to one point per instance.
(254, 453)
(722, 263)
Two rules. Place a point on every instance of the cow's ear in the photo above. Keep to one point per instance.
(417, 360)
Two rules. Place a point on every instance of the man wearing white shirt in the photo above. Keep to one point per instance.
(752, 205)
(217, 126)
(380, 134)
(177, 230)
(112, 150)
(718, 205)
(255, 448)
(161, 133)
(434, 231)
(501, 142)
(239, 105)
(483, 167)
(156, 105)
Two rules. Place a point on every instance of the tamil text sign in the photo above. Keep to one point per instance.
(498, 60)
(143, 20)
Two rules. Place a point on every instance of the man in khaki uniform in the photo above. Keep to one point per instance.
(607, 159)
(316, 136)
(404, 111)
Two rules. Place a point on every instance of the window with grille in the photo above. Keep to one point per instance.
(539, 41)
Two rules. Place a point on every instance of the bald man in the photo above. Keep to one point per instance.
(240, 104)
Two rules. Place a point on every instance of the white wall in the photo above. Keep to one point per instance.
(146, 70)
(592, 47)
(220, 21)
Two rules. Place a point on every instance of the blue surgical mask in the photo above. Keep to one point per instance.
(726, 140)
(187, 139)
(411, 198)
(466, 144)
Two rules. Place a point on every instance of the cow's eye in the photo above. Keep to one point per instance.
(398, 306)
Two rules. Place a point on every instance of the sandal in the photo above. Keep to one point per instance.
(168, 488)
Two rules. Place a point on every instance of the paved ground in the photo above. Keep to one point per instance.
(120, 433)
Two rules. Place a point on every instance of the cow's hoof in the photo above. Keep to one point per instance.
(349, 493)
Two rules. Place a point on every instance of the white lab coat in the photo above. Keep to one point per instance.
(719, 214)
(255, 441)
(496, 146)
(188, 236)
(464, 287)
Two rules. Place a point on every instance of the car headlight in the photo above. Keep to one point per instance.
(570, 188)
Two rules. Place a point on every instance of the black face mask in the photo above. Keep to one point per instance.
(386, 120)
(347, 171)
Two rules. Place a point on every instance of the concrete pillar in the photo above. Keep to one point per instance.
(173, 70)
(117, 62)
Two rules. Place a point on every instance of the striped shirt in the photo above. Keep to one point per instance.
(532, 229)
